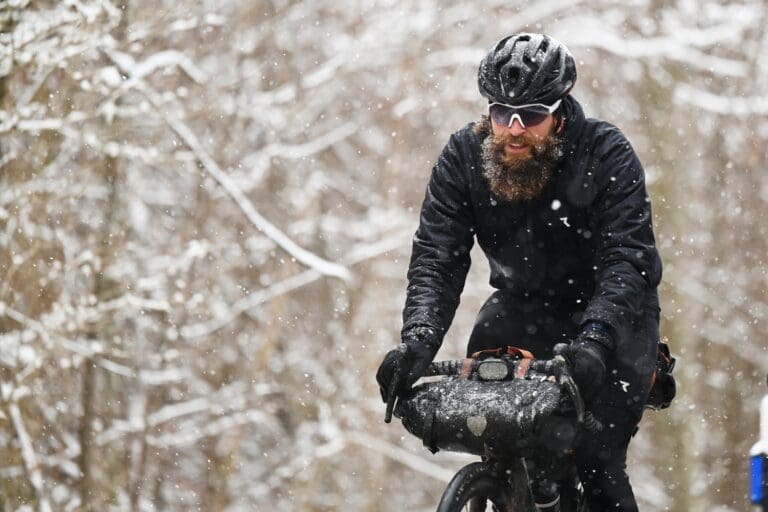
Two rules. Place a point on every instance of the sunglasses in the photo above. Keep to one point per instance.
(526, 115)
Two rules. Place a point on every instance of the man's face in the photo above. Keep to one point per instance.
(520, 140)
(518, 160)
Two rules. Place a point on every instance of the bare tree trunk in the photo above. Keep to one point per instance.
(137, 409)
(89, 493)
(85, 435)
(139, 464)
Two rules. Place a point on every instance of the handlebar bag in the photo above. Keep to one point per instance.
(517, 417)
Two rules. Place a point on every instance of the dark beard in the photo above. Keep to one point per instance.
(517, 179)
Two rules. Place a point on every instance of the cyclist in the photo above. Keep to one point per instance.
(557, 201)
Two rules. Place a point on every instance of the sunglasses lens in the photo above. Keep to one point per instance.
(531, 116)
(500, 114)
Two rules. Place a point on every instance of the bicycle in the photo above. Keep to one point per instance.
(513, 474)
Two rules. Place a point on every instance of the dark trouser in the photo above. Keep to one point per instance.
(537, 325)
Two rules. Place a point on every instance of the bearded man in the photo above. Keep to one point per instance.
(557, 202)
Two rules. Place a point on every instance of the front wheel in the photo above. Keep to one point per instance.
(474, 487)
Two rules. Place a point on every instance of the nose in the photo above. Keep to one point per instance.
(517, 128)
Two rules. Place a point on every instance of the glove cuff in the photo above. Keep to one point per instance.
(422, 337)
(598, 333)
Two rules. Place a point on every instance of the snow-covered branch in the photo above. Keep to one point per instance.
(718, 104)
(400, 455)
(357, 255)
(590, 33)
(186, 437)
(95, 351)
(710, 330)
(296, 151)
(262, 224)
(28, 455)
(304, 256)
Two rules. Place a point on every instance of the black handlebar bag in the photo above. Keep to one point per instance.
(518, 417)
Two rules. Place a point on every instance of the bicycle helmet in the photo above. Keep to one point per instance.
(526, 68)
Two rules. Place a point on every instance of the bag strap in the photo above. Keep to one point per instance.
(428, 436)
(519, 352)
(482, 354)
(525, 357)
(522, 367)
(497, 352)
(466, 368)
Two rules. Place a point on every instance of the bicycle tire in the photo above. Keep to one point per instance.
(474, 485)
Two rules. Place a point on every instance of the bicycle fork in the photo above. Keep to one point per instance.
(548, 494)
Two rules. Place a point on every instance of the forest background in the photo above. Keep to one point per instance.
(206, 211)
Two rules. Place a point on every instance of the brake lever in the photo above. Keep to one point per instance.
(564, 376)
(391, 397)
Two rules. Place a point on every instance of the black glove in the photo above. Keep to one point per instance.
(408, 361)
(586, 356)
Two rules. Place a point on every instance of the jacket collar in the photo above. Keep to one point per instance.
(574, 119)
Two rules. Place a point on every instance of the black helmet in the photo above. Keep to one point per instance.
(526, 68)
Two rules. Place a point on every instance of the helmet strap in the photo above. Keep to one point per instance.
(561, 114)
(559, 123)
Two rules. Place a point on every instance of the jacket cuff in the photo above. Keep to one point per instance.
(598, 332)
(422, 335)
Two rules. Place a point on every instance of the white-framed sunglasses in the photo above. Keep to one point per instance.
(526, 115)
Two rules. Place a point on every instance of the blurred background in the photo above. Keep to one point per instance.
(205, 219)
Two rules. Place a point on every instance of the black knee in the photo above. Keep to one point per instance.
(601, 460)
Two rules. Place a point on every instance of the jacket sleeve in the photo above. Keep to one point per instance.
(441, 246)
(627, 264)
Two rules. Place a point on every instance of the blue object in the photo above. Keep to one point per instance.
(757, 487)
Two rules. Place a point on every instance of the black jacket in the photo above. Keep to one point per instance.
(587, 238)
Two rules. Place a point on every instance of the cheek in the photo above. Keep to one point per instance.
(542, 131)
(497, 129)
